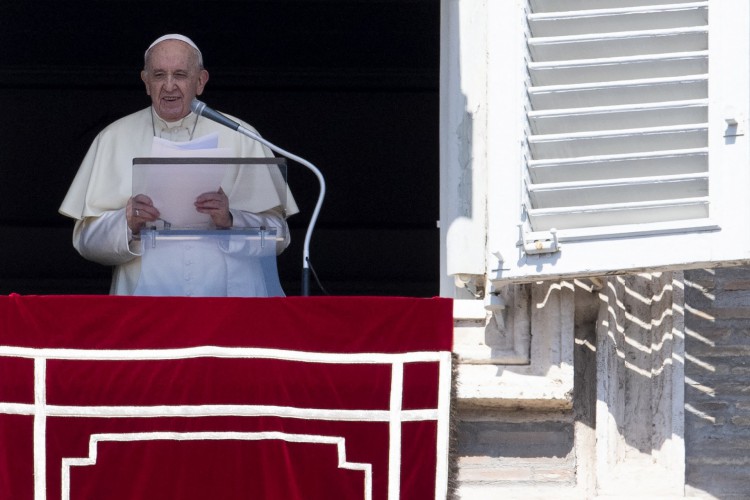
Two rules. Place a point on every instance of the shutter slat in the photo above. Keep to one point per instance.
(619, 166)
(625, 213)
(618, 68)
(578, 5)
(618, 93)
(617, 142)
(612, 20)
(618, 44)
(618, 117)
(569, 194)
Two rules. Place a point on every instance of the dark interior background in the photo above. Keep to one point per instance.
(349, 85)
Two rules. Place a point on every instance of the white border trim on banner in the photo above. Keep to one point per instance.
(95, 439)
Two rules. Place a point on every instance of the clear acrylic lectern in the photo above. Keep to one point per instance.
(183, 255)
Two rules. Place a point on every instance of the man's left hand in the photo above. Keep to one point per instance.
(215, 204)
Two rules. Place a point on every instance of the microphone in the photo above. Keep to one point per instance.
(200, 108)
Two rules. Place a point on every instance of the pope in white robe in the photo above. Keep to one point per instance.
(109, 216)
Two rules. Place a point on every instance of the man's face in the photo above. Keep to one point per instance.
(173, 79)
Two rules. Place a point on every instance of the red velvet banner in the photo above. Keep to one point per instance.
(184, 398)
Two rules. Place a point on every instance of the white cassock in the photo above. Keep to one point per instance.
(103, 185)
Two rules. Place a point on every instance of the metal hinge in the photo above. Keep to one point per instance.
(539, 242)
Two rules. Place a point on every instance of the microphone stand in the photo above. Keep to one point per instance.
(200, 108)
(306, 247)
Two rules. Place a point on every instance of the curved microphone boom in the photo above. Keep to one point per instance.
(200, 108)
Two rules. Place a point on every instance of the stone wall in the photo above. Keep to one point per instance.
(661, 399)
(717, 382)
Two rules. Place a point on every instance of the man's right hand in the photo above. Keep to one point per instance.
(140, 210)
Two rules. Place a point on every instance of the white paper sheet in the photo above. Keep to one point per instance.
(174, 187)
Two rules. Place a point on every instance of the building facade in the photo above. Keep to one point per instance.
(593, 162)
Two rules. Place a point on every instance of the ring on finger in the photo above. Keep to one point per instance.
(137, 213)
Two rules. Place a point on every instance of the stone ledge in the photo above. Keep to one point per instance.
(497, 400)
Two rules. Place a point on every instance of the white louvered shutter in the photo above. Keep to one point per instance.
(633, 153)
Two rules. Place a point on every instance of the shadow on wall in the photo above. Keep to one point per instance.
(643, 369)
(717, 381)
(637, 362)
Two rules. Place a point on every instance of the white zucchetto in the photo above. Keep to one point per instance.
(174, 36)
